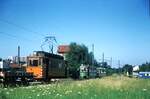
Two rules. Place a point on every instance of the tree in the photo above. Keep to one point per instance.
(77, 55)
(145, 67)
(127, 69)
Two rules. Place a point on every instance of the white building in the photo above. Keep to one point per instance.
(4, 64)
(136, 71)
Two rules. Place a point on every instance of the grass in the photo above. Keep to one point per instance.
(114, 87)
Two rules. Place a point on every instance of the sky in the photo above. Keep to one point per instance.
(118, 28)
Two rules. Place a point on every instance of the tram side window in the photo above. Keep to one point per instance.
(60, 65)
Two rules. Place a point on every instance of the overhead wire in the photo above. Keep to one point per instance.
(15, 37)
(21, 27)
(12, 36)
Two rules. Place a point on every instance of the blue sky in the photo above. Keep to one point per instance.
(119, 28)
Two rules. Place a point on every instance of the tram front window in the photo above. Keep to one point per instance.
(33, 62)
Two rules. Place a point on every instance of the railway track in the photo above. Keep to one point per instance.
(34, 83)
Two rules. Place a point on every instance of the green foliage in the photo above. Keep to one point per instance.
(127, 68)
(105, 65)
(78, 55)
(110, 71)
(145, 67)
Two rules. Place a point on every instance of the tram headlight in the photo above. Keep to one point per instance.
(2, 74)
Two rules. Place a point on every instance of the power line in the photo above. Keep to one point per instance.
(50, 39)
(12, 36)
(20, 27)
(15, 37)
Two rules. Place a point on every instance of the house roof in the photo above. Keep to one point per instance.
(63, 49)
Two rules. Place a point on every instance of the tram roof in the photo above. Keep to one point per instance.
(47, 54)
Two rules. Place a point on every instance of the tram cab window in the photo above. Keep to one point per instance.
(33, 62)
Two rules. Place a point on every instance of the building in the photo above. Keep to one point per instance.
(63, 49)
(136, 71)
(14, 59)
(4, 64)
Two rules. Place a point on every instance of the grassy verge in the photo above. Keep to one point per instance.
(114, 87)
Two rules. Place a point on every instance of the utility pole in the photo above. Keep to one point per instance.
(93, 55)
(119, 66)
(103, 58)
(19, 56)
(111, 61)
(119, 63)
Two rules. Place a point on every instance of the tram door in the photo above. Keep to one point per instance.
(46, 68)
